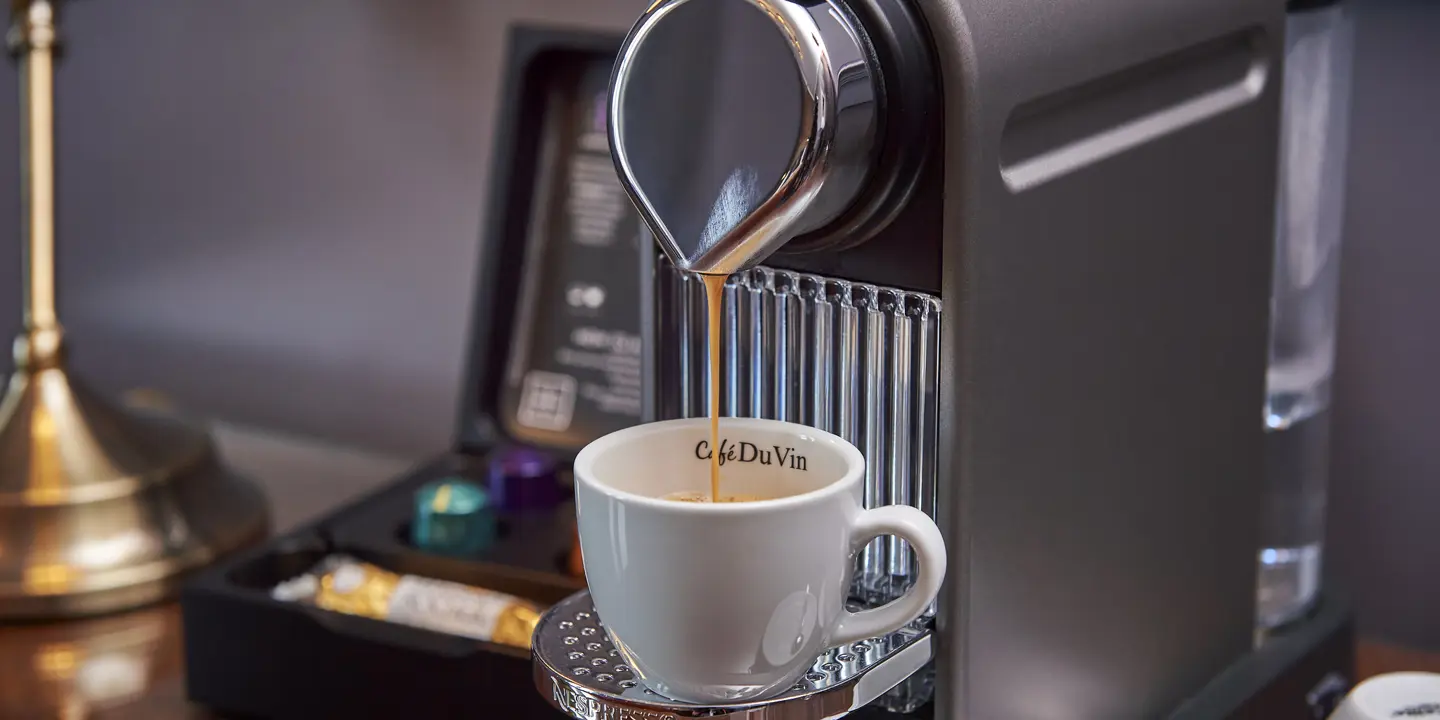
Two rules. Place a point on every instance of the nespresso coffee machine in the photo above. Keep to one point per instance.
(1018, 252)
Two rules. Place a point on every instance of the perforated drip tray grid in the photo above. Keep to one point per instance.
(580, 672)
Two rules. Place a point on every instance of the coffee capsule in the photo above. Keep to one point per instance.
(452, 517)
(357, 588)
(524, 479)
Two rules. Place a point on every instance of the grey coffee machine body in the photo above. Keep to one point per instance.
(1019, 252)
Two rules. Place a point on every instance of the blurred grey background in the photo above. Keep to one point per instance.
(270, 210)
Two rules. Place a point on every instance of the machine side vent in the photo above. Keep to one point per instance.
(857, 360)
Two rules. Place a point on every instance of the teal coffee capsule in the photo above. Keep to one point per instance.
(452, 517)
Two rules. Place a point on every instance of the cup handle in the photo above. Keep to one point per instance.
(920, 531)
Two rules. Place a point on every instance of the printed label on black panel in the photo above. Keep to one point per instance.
(577, 377)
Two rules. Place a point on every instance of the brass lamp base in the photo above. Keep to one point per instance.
(104, 508)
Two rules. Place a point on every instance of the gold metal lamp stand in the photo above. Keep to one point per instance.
(101, 507)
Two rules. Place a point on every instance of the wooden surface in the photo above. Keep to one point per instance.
(130, 666)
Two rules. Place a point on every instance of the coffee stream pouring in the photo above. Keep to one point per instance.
(983, 241)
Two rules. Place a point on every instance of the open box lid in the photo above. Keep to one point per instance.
(555, 339)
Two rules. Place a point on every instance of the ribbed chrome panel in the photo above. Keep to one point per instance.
(855, 359)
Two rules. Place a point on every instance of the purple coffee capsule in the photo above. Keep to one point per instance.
(524, 479)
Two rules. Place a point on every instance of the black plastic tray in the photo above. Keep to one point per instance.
(248, 654)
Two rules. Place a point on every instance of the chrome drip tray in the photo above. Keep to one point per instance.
(581, 673)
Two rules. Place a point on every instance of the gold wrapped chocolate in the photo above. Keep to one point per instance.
(357, 588)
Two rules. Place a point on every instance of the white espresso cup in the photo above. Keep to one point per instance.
(727, 602)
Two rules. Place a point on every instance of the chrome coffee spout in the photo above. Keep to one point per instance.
(737, 125)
